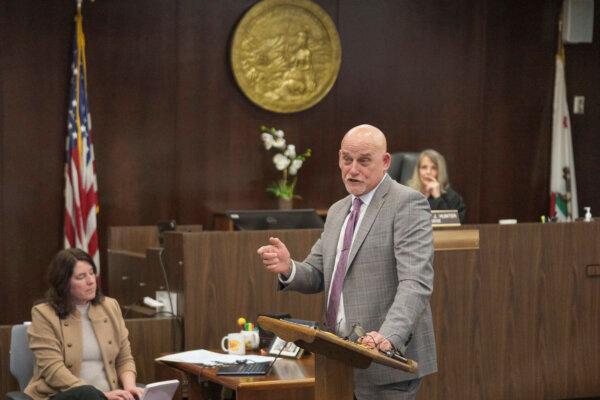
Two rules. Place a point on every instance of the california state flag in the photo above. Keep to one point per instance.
(562, 171)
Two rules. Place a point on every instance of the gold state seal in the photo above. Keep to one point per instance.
(286, 54)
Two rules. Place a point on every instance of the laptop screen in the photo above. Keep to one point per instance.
(275, 219)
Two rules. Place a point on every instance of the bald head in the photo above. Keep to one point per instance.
(367, 135)
(364, 159)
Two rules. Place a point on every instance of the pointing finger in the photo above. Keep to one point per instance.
(276, 242)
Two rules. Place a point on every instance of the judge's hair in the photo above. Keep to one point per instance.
(438, 160)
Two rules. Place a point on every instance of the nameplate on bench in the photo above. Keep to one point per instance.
(444, 218)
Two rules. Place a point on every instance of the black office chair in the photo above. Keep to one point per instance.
(402, 166)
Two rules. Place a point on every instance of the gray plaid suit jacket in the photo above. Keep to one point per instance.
(389, 278)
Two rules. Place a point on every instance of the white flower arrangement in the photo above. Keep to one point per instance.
(286, 160)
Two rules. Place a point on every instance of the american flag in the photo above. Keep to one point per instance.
(81, 188)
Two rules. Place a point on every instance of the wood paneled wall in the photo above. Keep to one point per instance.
(175, 137)
(219, 278)
(7, 382)
(582, 69)
(151, 337)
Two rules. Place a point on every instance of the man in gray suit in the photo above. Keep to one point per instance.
(374, 260)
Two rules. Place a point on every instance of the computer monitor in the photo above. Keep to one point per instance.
(275, 219)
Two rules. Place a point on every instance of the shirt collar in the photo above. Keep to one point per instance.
(367, 197)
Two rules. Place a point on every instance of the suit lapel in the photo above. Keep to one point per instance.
(367, 221)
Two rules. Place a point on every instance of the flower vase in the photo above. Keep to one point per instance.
(285, 204)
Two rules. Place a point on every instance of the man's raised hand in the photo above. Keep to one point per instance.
(276, 257)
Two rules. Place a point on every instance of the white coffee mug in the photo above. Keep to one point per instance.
(251, 339)
(235, 343)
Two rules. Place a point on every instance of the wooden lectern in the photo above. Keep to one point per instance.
(334, 357)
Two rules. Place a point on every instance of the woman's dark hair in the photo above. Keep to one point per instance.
(60, 271)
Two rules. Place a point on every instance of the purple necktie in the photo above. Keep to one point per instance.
(340, 272)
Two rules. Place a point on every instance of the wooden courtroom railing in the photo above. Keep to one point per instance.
(219, 277)
(516, 318)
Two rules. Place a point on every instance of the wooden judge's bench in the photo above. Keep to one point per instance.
(515, 307)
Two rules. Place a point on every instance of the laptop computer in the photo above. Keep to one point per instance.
(164, 390)
(249, 369)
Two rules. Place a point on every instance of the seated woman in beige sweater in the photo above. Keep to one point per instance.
(79, 338)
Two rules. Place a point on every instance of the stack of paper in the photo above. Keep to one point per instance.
(211, 359)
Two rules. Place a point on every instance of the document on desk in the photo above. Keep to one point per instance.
(212, 359)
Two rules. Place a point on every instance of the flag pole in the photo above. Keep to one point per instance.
(560, 47)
